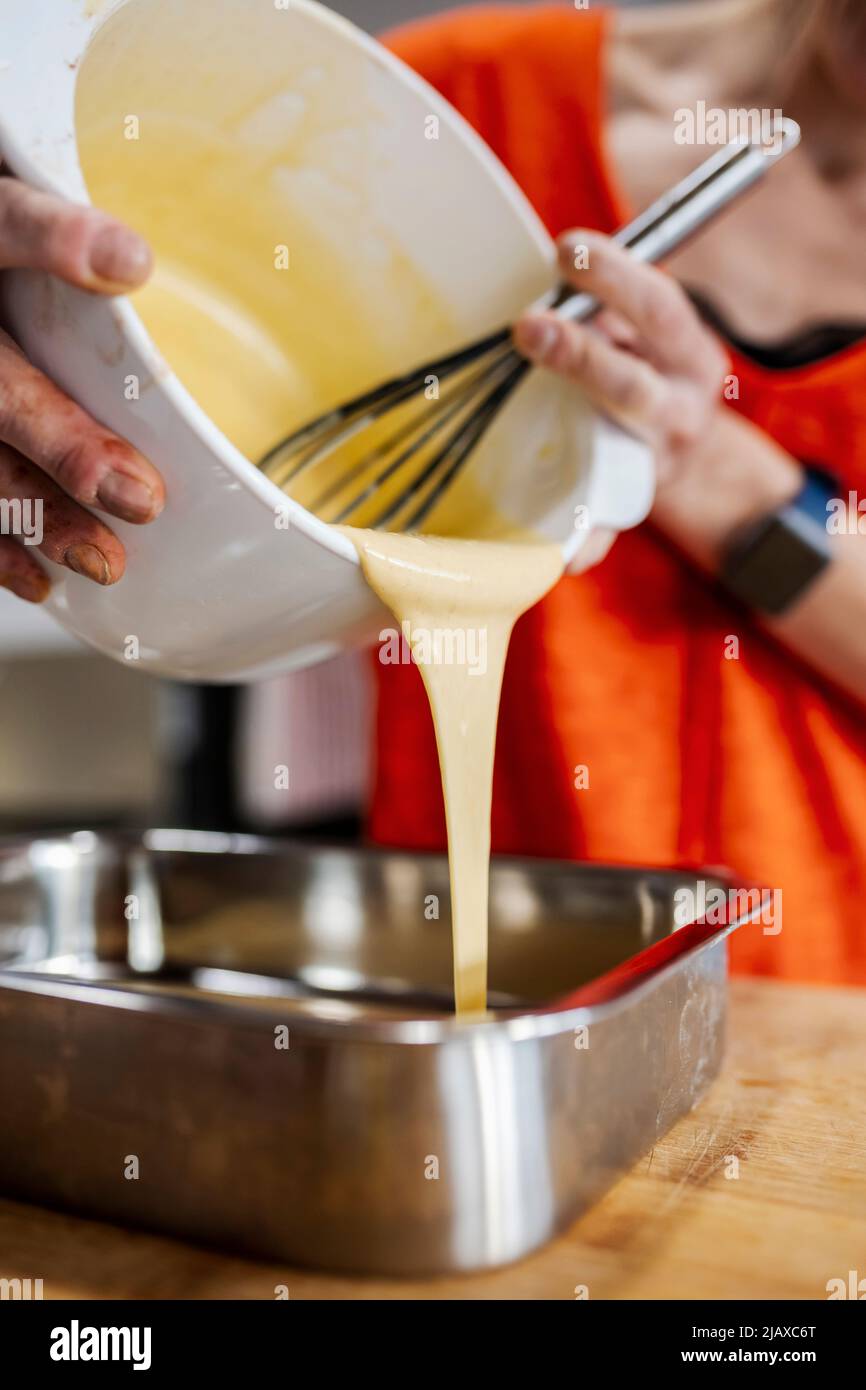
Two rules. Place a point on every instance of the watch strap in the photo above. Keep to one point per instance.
(771, 562)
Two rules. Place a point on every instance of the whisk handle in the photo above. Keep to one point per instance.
(688, 206)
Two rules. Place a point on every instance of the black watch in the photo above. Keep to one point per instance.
(770, 563)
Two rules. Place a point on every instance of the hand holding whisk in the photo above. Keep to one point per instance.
(417, 447)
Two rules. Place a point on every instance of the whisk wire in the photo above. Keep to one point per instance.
(479, 397)
(419, 432)
(499, 376)
(343, 422)
(462, 445)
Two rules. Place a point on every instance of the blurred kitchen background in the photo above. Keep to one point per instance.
(87, 742)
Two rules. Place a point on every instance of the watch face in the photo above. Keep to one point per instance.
(771, 565)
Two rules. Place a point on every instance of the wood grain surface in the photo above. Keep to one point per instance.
(790, 1107)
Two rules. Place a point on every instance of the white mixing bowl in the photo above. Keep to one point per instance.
(215, 590)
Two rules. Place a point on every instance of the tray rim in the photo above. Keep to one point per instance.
(598, 999)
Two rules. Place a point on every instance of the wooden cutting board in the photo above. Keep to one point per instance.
(759, 1193)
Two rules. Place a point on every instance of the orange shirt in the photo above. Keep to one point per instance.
(753, 763)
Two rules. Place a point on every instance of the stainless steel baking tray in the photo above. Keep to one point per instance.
(266, 1028)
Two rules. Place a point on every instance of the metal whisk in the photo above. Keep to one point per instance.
(422, 444)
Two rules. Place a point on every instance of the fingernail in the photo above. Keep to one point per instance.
(33, 588)
(120, 256)
(87, 560)
(538, 337)
(126, 497)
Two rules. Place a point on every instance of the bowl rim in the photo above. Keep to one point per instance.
(48, 160)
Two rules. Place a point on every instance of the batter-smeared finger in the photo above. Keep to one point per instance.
(90, 463)
(70, 535)
(21, 573)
